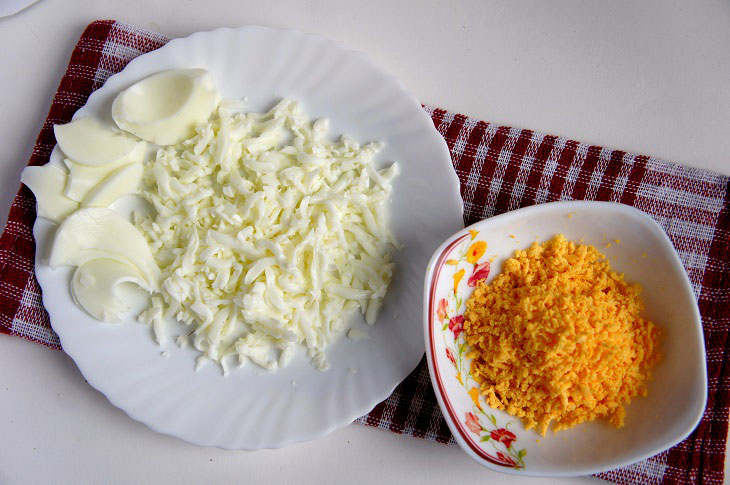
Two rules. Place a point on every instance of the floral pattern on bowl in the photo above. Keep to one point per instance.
(465, 259)
(677, 394)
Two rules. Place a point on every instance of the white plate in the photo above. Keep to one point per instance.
(253, 409)
(677, 394)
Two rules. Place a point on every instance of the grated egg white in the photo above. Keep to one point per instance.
(268, 235)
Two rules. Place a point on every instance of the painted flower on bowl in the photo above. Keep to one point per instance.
(456, 325)
(474, 395)
(472, 422)
(476, 251)
(481, 272)
(494, 440)
(503, 436)
(441, 312)
(457, 279)
(506, 459)
(450, 356)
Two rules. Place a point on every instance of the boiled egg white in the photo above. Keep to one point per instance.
(93, 232)
(83, 178)
(123, 181)
(47, 183)
(94, 287)
(87, 141)
(165, 107)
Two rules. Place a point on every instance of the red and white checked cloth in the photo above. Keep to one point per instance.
(500, 169)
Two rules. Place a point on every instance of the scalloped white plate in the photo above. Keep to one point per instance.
(252, 409)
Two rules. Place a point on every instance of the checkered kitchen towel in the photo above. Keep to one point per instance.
(500, 169)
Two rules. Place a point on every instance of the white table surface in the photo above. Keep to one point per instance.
(651, 77)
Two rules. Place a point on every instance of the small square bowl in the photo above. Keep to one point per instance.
(636, 246)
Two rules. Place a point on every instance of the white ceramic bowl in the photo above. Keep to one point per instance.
(677, 394)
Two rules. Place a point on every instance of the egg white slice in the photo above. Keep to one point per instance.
(92, 233)
(123, 181)
(87, 141)
(47, 183)
(94, 287)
